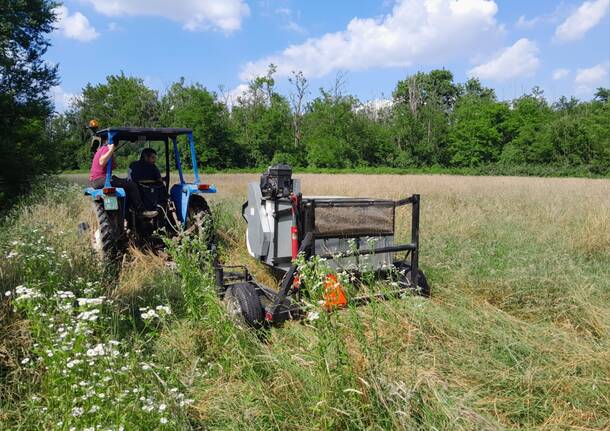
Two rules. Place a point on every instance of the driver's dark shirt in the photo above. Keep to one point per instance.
(142, 171)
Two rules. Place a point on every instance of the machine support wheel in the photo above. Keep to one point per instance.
(108, 233)
(423, 288)
(244, 305)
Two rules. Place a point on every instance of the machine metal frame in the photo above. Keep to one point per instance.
(277, 304)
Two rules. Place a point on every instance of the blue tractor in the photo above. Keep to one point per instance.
(177, 208)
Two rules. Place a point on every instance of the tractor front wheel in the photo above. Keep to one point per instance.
(199, 222)
(198, 216)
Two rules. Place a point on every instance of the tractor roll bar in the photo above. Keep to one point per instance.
(130, 134)
(177, 159)
(109, 164)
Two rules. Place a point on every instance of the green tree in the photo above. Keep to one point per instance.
(262, 121)
(602, 94)
(297, 101)
(422, 104)
(25, 80)
(579, 134)
(432, 121)
(527, 144)
(473, 87)
(68, 135)
(193, 106)
(570, 141)
(476, 136)
(327, 132)
(120, 101)
(597, 122)
(340, 132)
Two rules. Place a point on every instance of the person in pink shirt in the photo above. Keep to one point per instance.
(97, 177)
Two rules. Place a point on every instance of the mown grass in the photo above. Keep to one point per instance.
(516, 335)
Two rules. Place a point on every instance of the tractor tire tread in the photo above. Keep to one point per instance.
(109, 237)
(423, 288)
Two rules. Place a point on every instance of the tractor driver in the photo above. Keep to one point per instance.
(145, 168)
(97, 177)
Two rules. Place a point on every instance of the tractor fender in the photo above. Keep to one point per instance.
(99, 193)
(181, 195)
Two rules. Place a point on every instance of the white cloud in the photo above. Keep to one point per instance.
(553, 17)
(290, 19)
(225, 15)
(284, 11)
(520, 59)
(238, 91)
(375, 108)
(230, 97)
(375, 105)
(75, 26)
(62, 99)
(587, 16)
(560, 73)
(416, 32)
(589, 79)
(524, 23)
(295, 27)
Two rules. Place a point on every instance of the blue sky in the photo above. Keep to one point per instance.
(511, 45)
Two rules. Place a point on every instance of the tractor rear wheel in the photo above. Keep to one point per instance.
(108, 234)
(244, 306)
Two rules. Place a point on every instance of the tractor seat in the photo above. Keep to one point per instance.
(153, 194)
(149, 214)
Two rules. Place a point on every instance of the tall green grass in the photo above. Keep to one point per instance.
(71, 359)
(516, 336)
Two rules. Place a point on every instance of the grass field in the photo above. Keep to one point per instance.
(516, 335)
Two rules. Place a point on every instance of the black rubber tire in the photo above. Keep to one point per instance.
(198, 209)
(197, 213)
(422, 283)
(423, 286)
(244, 305)
(111, 245)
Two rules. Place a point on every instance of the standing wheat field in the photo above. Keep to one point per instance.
(516, 334)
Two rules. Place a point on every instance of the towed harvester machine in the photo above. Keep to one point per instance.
(354, 235)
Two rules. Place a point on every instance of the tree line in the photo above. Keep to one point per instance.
(431, 121)
(25, 82)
